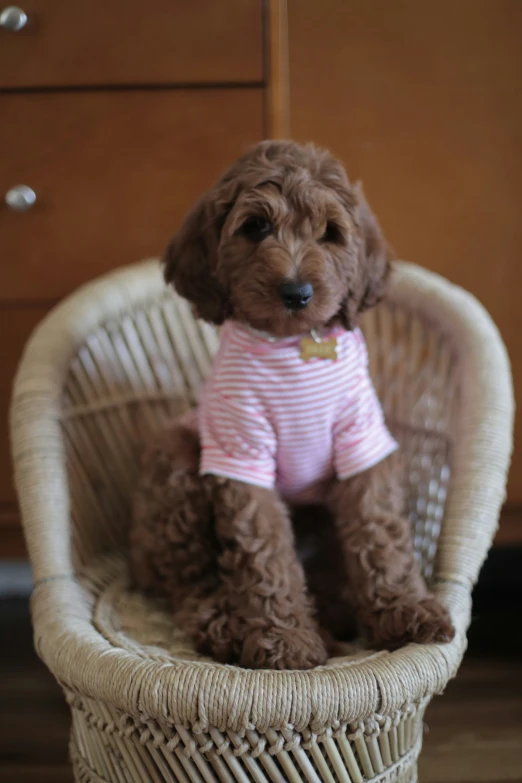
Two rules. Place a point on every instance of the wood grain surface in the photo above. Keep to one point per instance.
(15, 327)
(422, 102)
(114, 174)
(134, 42)
(278, 104)
(474, 731)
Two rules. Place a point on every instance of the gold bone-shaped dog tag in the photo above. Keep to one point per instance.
(312, 349)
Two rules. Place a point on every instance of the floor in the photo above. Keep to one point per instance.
(473, 732)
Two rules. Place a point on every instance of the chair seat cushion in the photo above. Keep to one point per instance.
(131, 621)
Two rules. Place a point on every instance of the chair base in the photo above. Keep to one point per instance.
(109, 746)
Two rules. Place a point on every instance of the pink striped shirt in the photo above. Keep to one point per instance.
(269, 418)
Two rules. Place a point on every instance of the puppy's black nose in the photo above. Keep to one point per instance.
(296, 295)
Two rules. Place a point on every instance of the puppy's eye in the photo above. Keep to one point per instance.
(332, 233)
(256, 228)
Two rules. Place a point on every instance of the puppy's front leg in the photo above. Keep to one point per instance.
(386, 587)
(259, 567)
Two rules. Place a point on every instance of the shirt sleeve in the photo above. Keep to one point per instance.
(237, 440)
(361, 438)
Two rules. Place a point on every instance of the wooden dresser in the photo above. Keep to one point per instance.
(115, 117)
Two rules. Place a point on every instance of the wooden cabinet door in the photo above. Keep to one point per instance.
(422, 101)
(78, 42)
(113, 174)
(15, 327)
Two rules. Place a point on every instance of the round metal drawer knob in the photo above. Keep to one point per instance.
(13, 18)
(20, 198)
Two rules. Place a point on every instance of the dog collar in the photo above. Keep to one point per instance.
(313, 344)
(314, 334)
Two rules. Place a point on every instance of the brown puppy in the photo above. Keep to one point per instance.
(223, 549)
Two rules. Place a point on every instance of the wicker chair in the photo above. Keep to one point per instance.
(106, 368)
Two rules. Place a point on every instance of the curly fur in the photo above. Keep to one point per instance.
(226, 552)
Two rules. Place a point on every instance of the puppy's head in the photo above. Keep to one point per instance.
(282, 242)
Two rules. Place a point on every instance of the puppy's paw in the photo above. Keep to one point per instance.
(283, 648)
(423, 622)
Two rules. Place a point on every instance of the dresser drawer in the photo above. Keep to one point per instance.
(113, 175)
(133, 42)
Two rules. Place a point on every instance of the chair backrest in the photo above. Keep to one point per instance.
(416, 375)
(129, 376)
(133, 372)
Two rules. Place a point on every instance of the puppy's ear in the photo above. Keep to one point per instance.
(190, 260)
(375, 255)
(374, 263)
